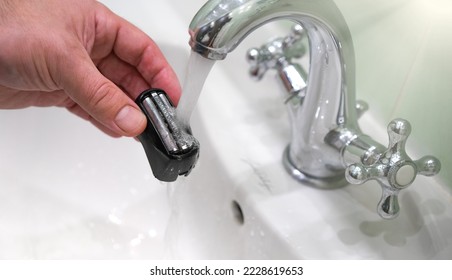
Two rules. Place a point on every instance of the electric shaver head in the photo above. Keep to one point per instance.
(170, 147)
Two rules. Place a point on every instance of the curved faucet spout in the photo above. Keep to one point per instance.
(221, 25)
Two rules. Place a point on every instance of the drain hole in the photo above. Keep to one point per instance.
(237, 213)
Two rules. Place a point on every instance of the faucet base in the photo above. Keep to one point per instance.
(320, 183)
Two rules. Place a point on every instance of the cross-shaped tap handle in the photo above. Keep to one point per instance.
(394, 169)
(276, 51)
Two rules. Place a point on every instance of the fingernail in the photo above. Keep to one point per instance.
(130, 120)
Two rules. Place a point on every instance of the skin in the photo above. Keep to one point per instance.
(81, 56)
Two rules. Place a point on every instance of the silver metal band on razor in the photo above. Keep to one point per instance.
(161, 112)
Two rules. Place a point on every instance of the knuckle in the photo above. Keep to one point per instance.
(101, 98)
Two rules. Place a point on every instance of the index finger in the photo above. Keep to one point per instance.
(133, 46)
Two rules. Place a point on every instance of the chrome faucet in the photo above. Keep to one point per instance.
(327, 147)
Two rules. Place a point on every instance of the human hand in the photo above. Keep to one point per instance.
(79, 55)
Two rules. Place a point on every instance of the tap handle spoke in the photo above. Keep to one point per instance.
(394, 169)
(275, 52)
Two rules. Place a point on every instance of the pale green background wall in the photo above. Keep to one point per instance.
(404, 68)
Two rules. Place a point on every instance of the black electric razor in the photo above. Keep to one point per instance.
(170, 147)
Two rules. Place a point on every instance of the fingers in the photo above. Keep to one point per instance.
(135, 48)
(149, 60)
(126, 58)
(123, 75)
(79, 111)
(12, 99)
(100, 97)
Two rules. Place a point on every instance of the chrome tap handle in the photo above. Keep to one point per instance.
(276, 52)
(394, 169)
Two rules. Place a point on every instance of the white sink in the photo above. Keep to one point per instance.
(67, 191)
(241, 167)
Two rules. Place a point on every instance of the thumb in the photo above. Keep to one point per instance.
(101, 98)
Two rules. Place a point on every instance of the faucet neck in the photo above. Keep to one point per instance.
(329, 103)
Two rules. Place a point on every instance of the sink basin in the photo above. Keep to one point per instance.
(67, 191)
(241, 197)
